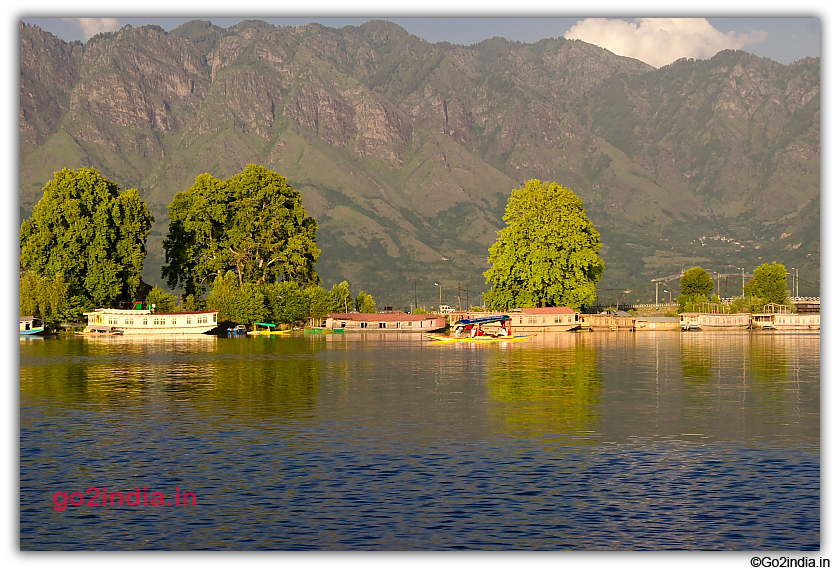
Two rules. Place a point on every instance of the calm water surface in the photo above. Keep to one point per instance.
(567, 441)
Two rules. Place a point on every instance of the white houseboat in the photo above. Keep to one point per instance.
(544, 319)
(715, 321)
(786, 321)
(383, 322)
(145, 322)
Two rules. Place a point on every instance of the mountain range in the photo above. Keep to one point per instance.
(405, 152)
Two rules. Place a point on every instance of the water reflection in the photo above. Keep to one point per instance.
(248, 376)
(550, 385)
(566, 441)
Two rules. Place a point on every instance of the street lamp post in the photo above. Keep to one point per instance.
(441, 295)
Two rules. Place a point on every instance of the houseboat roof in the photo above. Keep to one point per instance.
(381, 317)
(130, 312)
(547, 311)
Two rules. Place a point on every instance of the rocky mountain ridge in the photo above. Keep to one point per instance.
(405, 151)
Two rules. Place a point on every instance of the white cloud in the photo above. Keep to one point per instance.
(92, 26)
(660, 41)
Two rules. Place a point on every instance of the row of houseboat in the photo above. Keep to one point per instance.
(526, 320)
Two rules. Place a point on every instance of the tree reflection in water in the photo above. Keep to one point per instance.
(551, 386)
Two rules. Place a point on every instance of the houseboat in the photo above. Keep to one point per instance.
(657, 324)
(29, 326)
(382, 322)
(608, 321)
(145, 322)
(545, 319)
(715, 321)
(786, 321)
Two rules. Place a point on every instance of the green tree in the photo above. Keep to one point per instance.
(90, 232)
(286, 302)
(365, 303)
(768, 282)
(164, 302)
(339, 298)
(239, 303)
(695, 286)
(547, 255)
(48, 298)
(253, 223)
(696, 281)
(317, 301)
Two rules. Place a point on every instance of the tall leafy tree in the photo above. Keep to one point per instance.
(695, 286)
(253, 224)
(769, 282)
(696, 281)
(365, 303)
(89, 232)
(547, 254)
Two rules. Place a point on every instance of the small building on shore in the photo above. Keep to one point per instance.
(384, 322)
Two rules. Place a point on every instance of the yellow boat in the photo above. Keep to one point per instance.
(267, 331)
(466, 328)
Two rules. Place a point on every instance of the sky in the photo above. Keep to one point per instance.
(655, 40)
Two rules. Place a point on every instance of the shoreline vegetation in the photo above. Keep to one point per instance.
(246, 247)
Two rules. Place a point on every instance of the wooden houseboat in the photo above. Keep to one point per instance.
(657, 324)
(609, 321)
(29, 326)
(145, 322)
(786, 321)
(396, 321)
(544, 319)
(715, 321)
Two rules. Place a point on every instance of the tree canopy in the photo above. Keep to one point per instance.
(88, 233)
(769, 282)
(253, 224)
(696, 281)
(547, 254)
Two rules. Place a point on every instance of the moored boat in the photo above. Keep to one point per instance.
(28, 326)
(715, 321)
(145, 322)
(470, 330)
(267, 331)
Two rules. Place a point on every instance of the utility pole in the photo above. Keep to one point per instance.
(797, 282)
(415, 294)
(656, 302)
(441, 295)
(459, 296)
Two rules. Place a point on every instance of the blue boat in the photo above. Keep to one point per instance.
(28, 328)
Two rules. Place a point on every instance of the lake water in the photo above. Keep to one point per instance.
(566, 441)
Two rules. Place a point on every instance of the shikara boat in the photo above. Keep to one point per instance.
(469, 330)
(268, 330)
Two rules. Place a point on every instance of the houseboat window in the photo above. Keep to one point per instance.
(532, 320)
(189, 320)
(382, 325)
(399, 325)
(343, 324)
(363, 325)
(145, 321)
(173, 320)
(214, 317)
